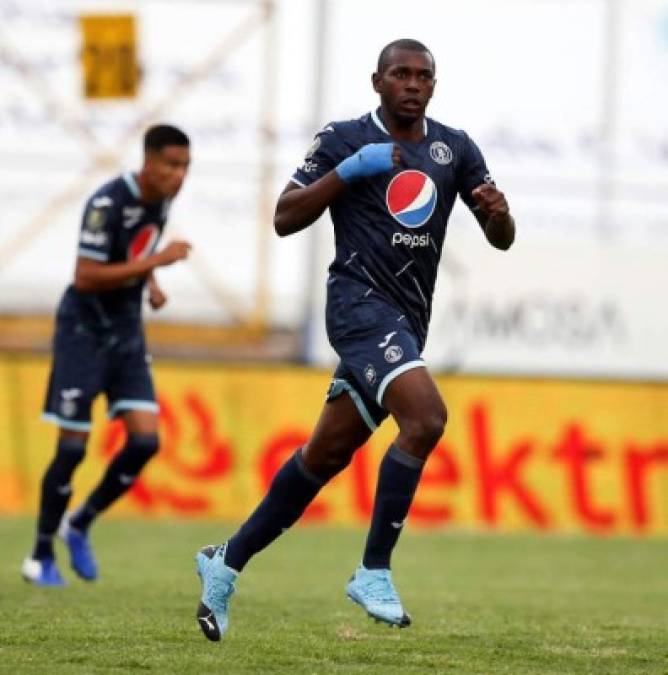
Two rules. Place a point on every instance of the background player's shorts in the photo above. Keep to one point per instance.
(90, 360)
(375, 344)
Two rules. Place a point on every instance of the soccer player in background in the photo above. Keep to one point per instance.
(390, 179)
(99, 346)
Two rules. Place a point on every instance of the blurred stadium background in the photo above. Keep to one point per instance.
(552, 357)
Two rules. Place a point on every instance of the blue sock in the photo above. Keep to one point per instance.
(398, 479)
(294, 487)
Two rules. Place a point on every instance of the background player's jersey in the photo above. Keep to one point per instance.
(390, 228)
(116, 227)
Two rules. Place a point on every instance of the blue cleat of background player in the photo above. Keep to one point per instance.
(42, 572)
(217, 589)
(82, 557)
(375, 592)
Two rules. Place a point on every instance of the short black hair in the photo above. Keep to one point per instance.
(161, 135)
(403, 43)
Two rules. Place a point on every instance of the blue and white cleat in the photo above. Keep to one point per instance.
(374, 591)
(42, 572)
(217, 589)
(82, 557)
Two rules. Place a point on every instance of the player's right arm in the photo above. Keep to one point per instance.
(323, 178)
(298, 207)
(102, 218)
(92, 275)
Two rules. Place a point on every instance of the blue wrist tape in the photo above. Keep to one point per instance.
(369, 160)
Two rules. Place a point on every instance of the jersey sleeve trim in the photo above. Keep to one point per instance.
(132, 185)
(93, 255)
(297, 182)
(379, 123)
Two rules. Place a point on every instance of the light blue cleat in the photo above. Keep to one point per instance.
(217, 589)
(374, 591)
(42, 572)
(82, 557)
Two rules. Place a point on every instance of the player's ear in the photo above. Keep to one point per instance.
(376, 79)
(149, 156)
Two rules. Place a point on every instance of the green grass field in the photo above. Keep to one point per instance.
(480, 604)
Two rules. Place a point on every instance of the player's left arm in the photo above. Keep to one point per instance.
(493, 214)
(480, 194)
(156, 296)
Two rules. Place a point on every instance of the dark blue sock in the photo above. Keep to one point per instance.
(398, 479)
(294, 487)
(56, 492)
(118, 478)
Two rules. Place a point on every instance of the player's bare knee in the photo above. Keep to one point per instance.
(420, 435)
(69, 435)
(337, 461)
(326, 462)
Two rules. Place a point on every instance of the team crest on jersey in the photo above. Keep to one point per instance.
(411, 198)
(144, 242)
(440, 152)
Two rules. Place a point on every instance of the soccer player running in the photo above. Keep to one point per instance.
(390, 179)
(99, 346)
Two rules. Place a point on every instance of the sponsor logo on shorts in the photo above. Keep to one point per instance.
(68, 406)
(393, 353)
(386, 340)
(410, 240)
(370, 374)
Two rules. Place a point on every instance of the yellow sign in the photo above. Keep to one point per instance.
(109, 56)
(517, 453)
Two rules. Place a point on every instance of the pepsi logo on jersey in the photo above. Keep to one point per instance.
(144, 242)
(411, 198)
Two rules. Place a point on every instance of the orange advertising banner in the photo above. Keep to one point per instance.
(517, 453)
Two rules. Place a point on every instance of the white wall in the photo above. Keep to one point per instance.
(583, 160)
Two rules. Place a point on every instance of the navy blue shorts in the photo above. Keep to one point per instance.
(375, 343)
(89, 360)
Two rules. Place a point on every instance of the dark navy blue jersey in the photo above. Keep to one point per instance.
(389, 228)
(117, 226)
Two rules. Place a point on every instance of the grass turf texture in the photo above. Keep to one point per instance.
(480, 604)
